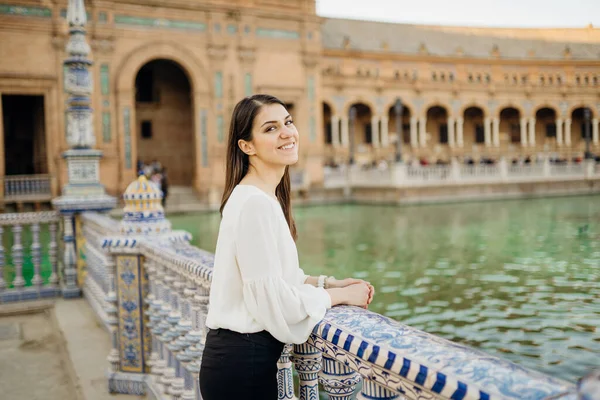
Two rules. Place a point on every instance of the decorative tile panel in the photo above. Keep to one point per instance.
(277, 33)
(106, 136)
(218, 84)
(203, 138)
(129, 20)
(104, 79)
(131, 336)
(220, 129)
(11, 9)
(80, 249)
(127, 136)
(313, 128)
(102, 17)
(231, 29)
(248, 84)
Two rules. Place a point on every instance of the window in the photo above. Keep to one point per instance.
(406, 133)
(551, 130)
(146, 130)
(515, 133)
(479, 134)
(444, 134)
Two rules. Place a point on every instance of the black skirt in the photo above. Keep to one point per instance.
(239, 366)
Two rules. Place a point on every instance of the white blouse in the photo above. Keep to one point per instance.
(257, 283)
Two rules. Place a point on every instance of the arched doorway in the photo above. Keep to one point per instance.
(473, 129)
(362, 137)
(510, 124)
(406, 116)
(327, 124)
(545, 126)
(578, 126)
(164, 120)
(437, 124)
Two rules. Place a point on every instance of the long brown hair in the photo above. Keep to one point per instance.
(238, 162)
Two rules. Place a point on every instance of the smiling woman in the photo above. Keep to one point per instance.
(260, 298)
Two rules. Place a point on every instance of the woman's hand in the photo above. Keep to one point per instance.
(358, 294)
(337, 283)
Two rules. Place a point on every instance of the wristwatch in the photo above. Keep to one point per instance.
(321, 281)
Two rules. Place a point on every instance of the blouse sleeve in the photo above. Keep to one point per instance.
(288, 312)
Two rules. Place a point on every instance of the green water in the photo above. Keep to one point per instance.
(518, 279)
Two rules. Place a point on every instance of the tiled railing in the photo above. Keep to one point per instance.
(435, 175)
(98, 286)
(27, 188)
(162, 290)
(15, 284)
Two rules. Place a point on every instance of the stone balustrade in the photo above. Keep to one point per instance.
(404, 175)
(99, 283)
(13, 285)
(18, 188)
(350, 352)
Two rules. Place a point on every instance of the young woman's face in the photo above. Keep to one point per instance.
(274, 136)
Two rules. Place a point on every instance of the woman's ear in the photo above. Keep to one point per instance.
(246, 147)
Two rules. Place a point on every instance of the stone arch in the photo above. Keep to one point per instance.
(540, 106)
(131, 64)
(473, 104)
(405, 104)
(510, 104)
(331, 105)
(359, 100)
(435, 103)
(124, 86)
(574, 107)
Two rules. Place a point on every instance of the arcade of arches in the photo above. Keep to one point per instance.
(166, 80)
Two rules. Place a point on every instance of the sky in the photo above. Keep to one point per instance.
(496, 13)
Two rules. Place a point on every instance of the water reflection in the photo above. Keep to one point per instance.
(516, 278)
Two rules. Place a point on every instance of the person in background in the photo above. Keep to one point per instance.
(164, 185)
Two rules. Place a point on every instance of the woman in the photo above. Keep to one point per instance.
(260, 298)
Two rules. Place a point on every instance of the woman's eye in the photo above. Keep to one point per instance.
(289, 122)
(269, 129)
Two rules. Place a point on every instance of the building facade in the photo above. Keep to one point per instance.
(168, 74)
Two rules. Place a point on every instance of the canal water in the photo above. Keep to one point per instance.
(519, 279)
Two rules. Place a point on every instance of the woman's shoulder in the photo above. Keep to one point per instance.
(250, 198)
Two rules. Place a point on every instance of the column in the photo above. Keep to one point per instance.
(345, 134)
(384, 132)
(451, 140)
(2, 159)
(568, 131)
(422, 131)
(487, 131)
(523, 132)
(595, 130)
(532, 131)
(335, 131)
(413, 132)
(559, 132)
(307, 360)
(338, 380)
(375, 131)
(459, 131)
(70, 288)
(496, 131)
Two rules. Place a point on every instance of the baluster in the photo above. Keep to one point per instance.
(36, 256)
(52, 254)
(338, 380)
(112, 314)
(285, 382)
(17, 256)
(70, 288)
(2, 260)
(185, 326)
(307, 361)
(372, 391)
(196, 339)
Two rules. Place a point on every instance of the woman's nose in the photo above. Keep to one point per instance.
(286, 132)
